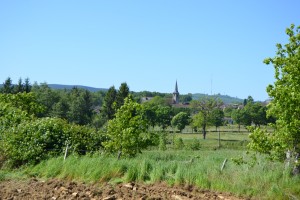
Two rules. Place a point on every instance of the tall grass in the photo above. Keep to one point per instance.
(266, 180)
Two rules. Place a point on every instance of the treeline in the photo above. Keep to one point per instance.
(38, 122)
(80, 106)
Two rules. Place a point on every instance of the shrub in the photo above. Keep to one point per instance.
(195, 145)
(162, 143)
(178, 144)
(31, 142)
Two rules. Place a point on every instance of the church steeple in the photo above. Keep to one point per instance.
(176, 94)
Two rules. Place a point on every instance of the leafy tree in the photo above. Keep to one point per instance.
(61, 108)
(149, 113)
(199, 120)
(109, 103)
(159, 101)
(285, 104)
(11, 117)
(237, 116)
(185, 98)
(258, 114)
(246, 119)
(126, 132)
(203, 109)
(163, 116)
(27, 102)
(217, 117)
(180, 120)
(45, 96)
(228, 111)
(80, 107)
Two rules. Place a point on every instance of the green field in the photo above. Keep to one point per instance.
(201, 168)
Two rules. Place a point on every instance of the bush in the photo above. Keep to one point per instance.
(162, 143)
(195, 145)
(178, 144)
(31, 142)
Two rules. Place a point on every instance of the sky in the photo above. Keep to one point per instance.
(209, 47)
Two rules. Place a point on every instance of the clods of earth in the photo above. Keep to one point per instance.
(62, 189)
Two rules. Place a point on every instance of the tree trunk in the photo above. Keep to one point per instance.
(204, 132)
(292, 162)
(119, 154)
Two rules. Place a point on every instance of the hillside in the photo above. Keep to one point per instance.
(225, 98)
(69, 87)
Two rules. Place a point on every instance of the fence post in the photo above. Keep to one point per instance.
(223, 164)
(219, 139)
(66, 152)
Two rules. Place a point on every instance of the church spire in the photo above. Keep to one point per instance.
(176, 94)
(176, 87)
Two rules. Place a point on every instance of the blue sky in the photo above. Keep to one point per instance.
(208, 46)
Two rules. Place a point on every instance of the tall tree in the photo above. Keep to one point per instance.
(45, 96)
(163, 116)
(27, 85)
(203, 108)
(109, 103)
(285, 104)
(8, 86)
(217, 117)
(180, 120)
(126, 130)
(237, 116)
(19, 87)
(80, 106)
(122, 93)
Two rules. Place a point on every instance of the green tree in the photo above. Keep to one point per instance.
(45, 96)
(217, 117)
(203, 109)
(237, 116)
(126, 132)
(285, 104)
(122, 93)
(80, 106)
(258, 114)
(180, 120)
(19, 87)
(186, 98)
(8, 86)
(163, 116)
(149, 113)
(27, 102)
(246, 119)
(109, 103)
(27, 85)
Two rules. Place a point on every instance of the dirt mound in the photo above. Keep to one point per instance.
(60, 189)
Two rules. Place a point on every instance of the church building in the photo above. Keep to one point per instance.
(175, 99)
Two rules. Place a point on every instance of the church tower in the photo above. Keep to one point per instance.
(176, 95)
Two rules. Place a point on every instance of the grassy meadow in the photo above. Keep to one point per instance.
(200, 168)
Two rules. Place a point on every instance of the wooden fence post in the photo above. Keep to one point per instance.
(223, 164)
(66, 152)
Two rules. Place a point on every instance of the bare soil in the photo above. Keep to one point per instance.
(62, 189)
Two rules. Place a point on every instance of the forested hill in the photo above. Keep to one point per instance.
(225, 98)
(69, 87)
